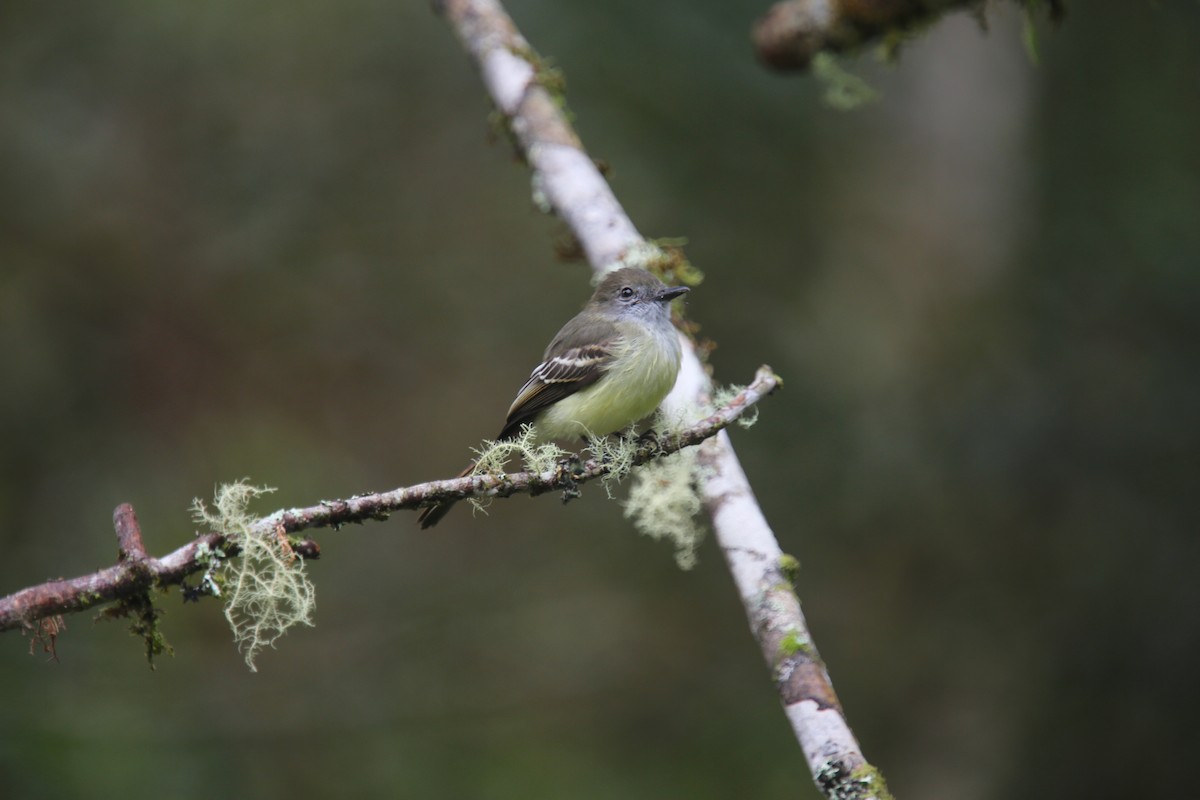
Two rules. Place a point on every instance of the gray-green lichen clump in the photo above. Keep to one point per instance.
(266, 589)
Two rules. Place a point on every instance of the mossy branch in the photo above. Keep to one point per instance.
(568, 184)
(136, 574)
(792, 33)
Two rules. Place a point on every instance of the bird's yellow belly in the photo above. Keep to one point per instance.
(629, 391)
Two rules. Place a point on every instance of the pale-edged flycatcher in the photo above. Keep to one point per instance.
(608, 368)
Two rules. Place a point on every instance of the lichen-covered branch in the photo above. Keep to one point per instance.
(565, 178)
(793, 32)
(136, 573)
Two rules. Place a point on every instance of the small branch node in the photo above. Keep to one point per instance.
(129, 533)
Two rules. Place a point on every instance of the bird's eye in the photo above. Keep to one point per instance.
(626, 292)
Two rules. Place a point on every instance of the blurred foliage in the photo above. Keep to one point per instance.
(265, 240)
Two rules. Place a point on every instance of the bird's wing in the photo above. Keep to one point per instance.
(559, 376)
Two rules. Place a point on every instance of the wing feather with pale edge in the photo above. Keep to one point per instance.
(557, 377)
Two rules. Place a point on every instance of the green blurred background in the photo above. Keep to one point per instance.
(275, 240)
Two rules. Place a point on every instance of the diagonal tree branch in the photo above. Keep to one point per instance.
(566, 180)
(136, 573)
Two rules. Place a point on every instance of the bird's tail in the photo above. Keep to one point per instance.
(432, 515)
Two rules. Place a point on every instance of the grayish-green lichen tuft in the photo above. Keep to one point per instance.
(663, 504)
(617, 452)
(844, 91)
(491, 458)
(664, 501)
(266, 589)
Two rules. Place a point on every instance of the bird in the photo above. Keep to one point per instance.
(607, 368)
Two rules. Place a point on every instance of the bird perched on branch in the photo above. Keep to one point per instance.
(606, 369)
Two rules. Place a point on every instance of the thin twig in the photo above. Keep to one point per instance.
(136, 573)
(129, 533)
(566, 179)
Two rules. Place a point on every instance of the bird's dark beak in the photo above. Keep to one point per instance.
(671, 292)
